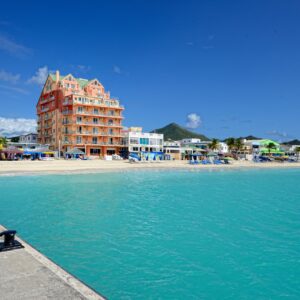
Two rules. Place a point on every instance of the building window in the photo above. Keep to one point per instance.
(110, 122)
(78, 139)
(95, 120)
(95, 140)
(111, 112)
(144, 141)
(110, 141)
(95, 151)
(110, 131)
(79, 119)
(80, 109)
(95, 130)
(134, 141)
(96, 111)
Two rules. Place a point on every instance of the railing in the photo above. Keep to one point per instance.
(68, 102)
(67, 112)
(91, 113)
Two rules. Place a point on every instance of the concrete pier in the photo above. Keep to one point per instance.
(27, 274)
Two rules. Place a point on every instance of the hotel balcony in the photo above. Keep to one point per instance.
(67, 112)
(67, 102)
(98, 114)
(99, 124)
(100, 102)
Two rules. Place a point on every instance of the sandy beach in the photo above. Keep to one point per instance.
(94, 166)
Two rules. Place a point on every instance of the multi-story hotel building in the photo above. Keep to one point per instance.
(79, 113)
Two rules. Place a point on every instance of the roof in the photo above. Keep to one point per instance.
(75, 151)
(266, 142)
(81, 81)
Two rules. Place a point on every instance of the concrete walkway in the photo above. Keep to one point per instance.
(27, 274)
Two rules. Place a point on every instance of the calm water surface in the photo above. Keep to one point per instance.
(166, 234)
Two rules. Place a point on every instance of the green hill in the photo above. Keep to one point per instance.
(175, 132)
(293, 142)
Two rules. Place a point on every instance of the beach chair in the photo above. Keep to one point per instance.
(217, 162)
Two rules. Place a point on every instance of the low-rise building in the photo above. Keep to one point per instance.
(172, 150)
(223, 148)
(138, 141)
(28, 138)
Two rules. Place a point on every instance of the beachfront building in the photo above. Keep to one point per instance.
(79, 113)
(223, 148)
(172, 150)
(137, 141)
(261, 147)
(30, 138)
(189, 141)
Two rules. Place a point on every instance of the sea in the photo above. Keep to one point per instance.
(165, 234)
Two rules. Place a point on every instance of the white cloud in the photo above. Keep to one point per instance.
(84, 68)
(193, 121)
(190, 44)
(278, 134)
(9, 77)
(117, 70)
(12, 47)
(16, 126)
(40, 76)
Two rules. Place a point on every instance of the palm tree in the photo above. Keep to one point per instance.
(238, 144)
(3, 142)
(214, 145)
(230, 143)
(270, 146)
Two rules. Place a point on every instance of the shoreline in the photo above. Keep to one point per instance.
(65, 167)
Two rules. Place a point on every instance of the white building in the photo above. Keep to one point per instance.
(30, 138)
(138, 141)
(190, 141)
(172, 149)
(223, 148)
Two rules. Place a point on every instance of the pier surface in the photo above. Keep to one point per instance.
(27, 274)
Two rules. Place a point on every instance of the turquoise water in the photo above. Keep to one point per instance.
(167, 234)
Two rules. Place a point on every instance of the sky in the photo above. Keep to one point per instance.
(221, 68)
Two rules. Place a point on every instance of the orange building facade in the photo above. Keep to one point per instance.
(79, 113)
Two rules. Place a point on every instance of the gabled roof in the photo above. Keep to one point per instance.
(81, 81)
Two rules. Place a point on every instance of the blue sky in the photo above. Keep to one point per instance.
(233, 65)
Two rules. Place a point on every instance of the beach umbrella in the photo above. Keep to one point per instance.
(212, 154)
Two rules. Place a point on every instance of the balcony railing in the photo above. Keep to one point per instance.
(67, 112)
(98, 114)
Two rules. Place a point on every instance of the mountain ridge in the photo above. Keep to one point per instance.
(175, 132)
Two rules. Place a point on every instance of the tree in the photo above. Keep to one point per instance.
(214, 144)
(3, 142)
(15, 139)
(238, 144)
(270, 146)
(230, 143)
